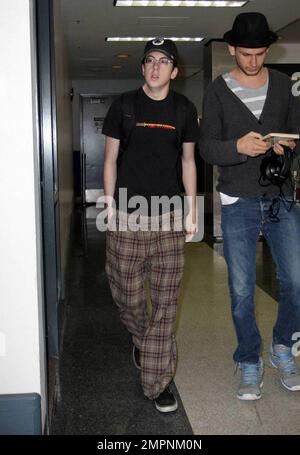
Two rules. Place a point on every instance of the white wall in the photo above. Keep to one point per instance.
(22, 350)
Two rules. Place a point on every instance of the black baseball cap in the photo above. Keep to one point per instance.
(166, 46)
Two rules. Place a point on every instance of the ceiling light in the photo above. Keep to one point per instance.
(145, 38)
(122, 55)
(174, 3)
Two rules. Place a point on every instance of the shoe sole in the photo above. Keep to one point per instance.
(134, 362)
(296, 388)
(250, 396)
(172, 408)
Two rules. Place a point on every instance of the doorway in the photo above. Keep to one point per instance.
(93, 109)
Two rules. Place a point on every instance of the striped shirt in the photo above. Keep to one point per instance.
(253, 98)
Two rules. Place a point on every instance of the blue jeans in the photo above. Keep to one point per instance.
(242, 222)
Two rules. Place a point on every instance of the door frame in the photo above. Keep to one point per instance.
(49, 171)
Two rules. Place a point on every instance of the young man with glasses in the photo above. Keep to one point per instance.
(241, 107)
(143, 162)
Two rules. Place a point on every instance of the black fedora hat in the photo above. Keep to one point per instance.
(250, 30)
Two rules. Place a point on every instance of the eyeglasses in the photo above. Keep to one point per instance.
(164, 61)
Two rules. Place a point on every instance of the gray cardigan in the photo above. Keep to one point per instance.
(226, 118)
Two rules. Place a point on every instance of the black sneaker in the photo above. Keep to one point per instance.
(136, 357)
(166, 402)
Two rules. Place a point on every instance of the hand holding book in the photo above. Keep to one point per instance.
(274, 138)
(278, 140)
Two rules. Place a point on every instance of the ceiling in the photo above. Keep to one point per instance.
(87, 22)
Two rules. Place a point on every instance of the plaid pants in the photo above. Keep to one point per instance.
(130, 257)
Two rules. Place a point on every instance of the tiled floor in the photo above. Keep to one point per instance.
(206, 341)
(100, 391)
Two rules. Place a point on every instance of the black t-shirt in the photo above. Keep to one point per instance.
(148, 167)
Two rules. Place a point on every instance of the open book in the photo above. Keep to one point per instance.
(275, 137)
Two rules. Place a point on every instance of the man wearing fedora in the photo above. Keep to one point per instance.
(239, 109)
(150, 129)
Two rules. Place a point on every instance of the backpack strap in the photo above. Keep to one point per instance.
(128, 103)
(181, 109)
